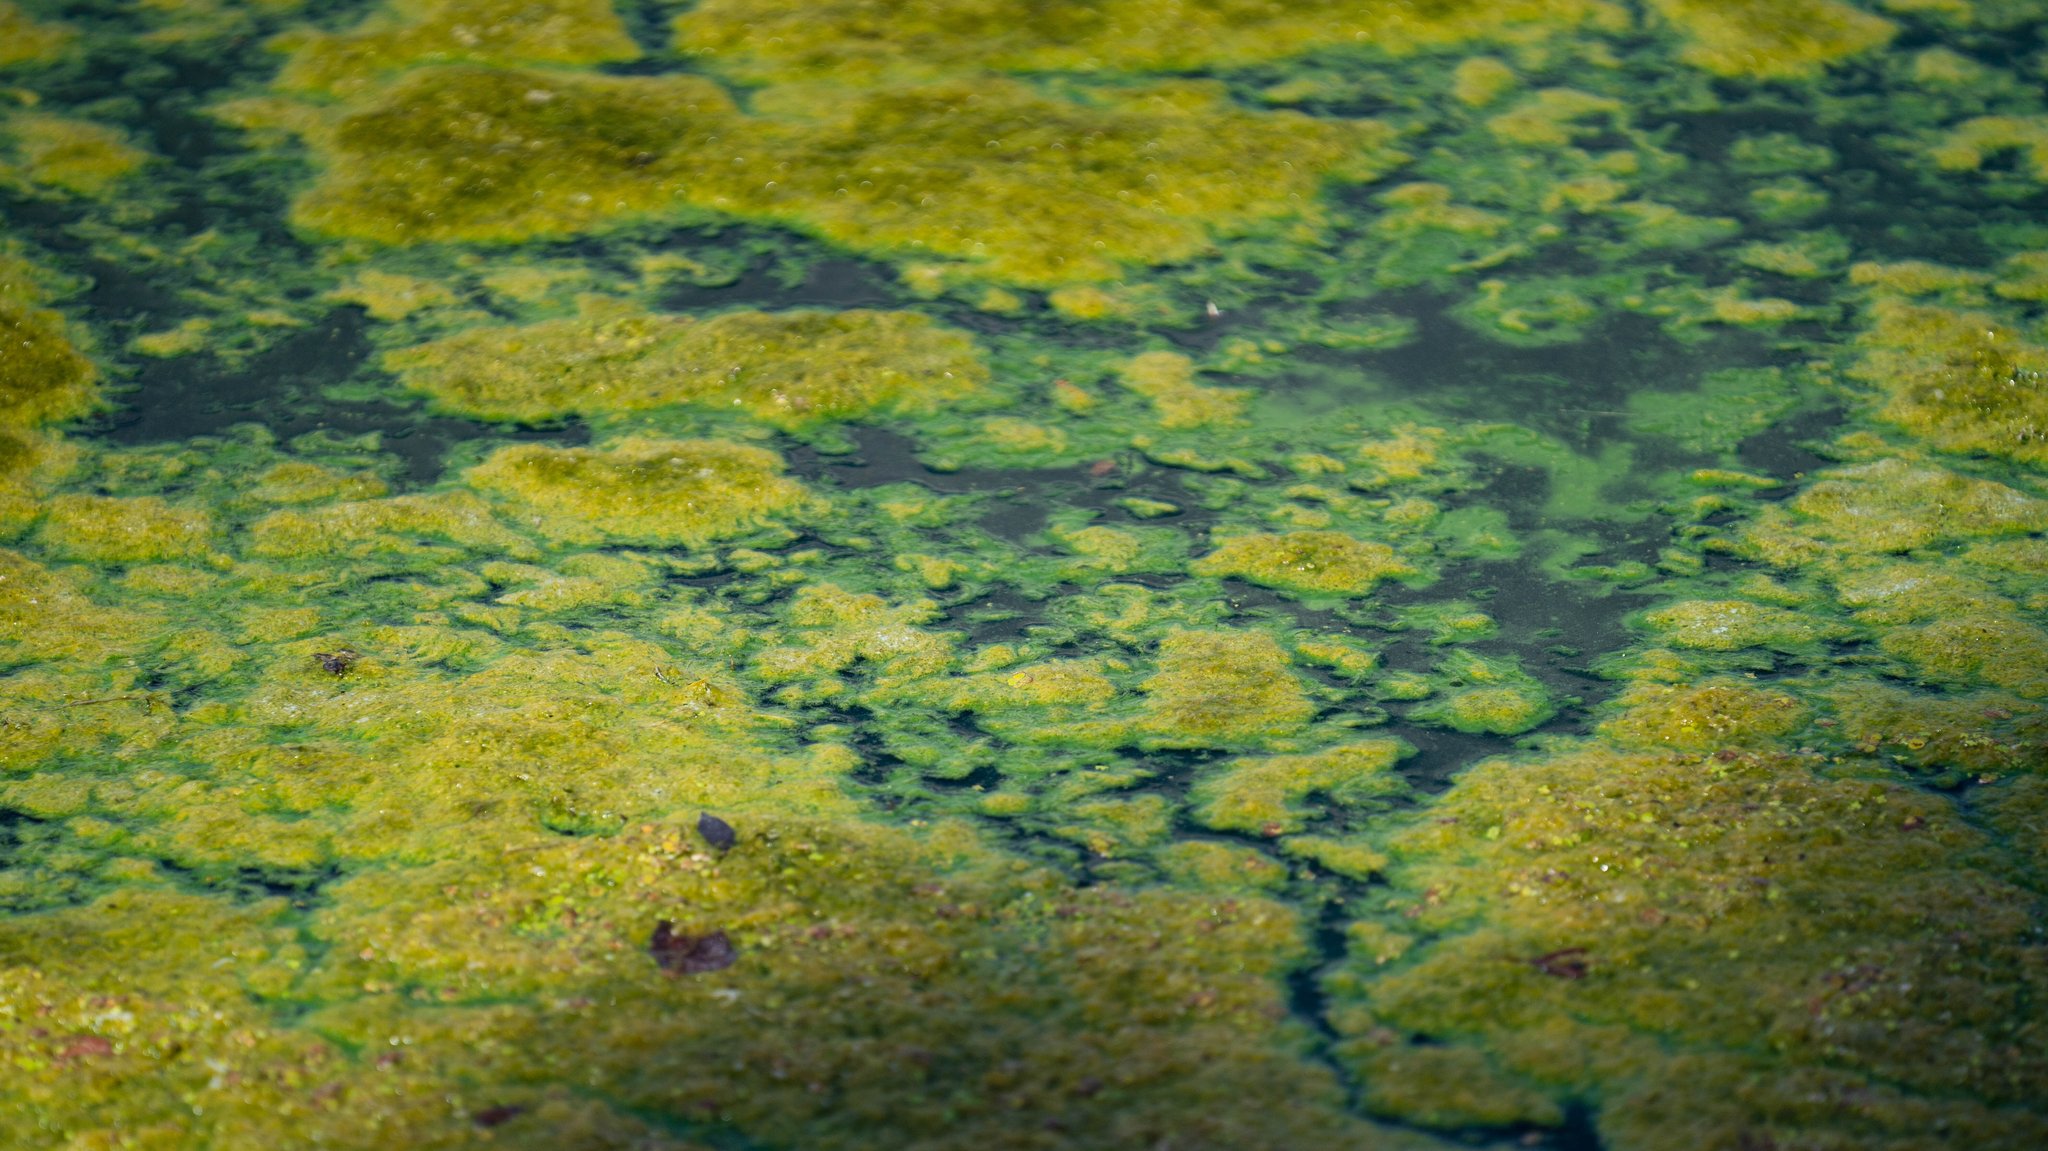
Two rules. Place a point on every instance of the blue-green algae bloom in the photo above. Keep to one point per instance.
(1325, 576)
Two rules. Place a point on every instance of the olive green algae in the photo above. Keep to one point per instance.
(642, 490)
(791, 370)
(953, 170)
(410, 32)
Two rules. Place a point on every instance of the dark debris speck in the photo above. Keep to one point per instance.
(716, 832)
(679, 954)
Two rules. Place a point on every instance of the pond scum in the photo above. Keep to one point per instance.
(838, 574)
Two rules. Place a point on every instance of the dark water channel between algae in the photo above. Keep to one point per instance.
(741, 574)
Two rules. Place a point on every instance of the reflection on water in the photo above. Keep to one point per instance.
(756, 575)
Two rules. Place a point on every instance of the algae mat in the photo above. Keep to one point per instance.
(751, 575)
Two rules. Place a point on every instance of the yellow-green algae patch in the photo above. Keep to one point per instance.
(1967, 146)
(642, 490)
(1773, 39)
(23, 40)
(1733, 624)
(413, 32)
(1167, 379)
(787, 39)
(389, 525)
(1712, 714)
(110, 529)
(441, 1000)
(1886, 505)
(956, 170)
(1491, 695)
(1219, 688)
(43, 377)
(1263, 796)
(791, 370)
(1637, 921)
(75, 156)
(1306, 563)
(1961, 381)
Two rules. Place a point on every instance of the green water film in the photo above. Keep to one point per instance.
(743, 575)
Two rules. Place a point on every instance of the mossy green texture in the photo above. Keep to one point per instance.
(1887, 505)
(1966, 146)
(1734, 624)
(642, 490)
(790, 370)
(414, 32)
(1634, 920)
(75, 156)
(441, 1001)
(1221, 689)
(44, 378)
(955, 170)
(1312, 564)
(24, 40)
(1773, 39)
(782, 39)
(1167, 379)
(113, 530)
(1445, 1087)
(1714, 713)
(1262, 796)
(1482, 694)
(1962, 381)
(391, 525)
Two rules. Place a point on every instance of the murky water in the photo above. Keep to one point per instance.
(854, 575)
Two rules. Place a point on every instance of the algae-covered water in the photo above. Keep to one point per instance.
(867, 574)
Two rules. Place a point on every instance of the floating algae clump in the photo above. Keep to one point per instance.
(642, 490)
(1261, 795)
(958, 170)
(1219, 688)
(1637, 921)
(43, 378)
(1734, 624)
(1886, 505)
(1487, 695)
(1306, 563)
(788, 39)
(791, 370)
(472, 153)
(108, 529)
(1772, 39)
(563, 32)
(446, 999)
(1960, 381)
(1967, 145)
(77, 156)
(1168, 380)
(23, 41)
(1713, 714)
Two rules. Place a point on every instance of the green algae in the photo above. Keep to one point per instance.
(77, 157)
(790, 370)
(24, 40)
(413, 32)
(857, 38)
(1310, 564)
(1490, 695)
(643, 490)
(1773, 41)
(1591, 901)
(1221, 689)
(558, 656)
(444, 154)
(45, 378)
(1262, 796)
